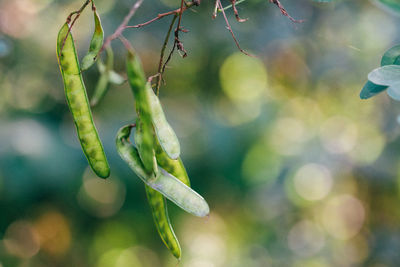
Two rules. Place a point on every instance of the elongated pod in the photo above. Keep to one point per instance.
(159, 210)
(165, 134)
(137, 81)
(75, 93)
(158, 204)
(95, 44)
(163, 182)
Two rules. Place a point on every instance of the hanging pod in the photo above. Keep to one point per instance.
(165, 134)
(158, 203)
(161, 181)
(137, 82)
(95, 44)
(159, 210)
(77, 100)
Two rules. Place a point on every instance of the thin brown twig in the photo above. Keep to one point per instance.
(160, 64)
(235, 11)
(231, 31)
(162, 15)
(69, 18)
(169, 57)
(284, 12)
(126, 43)
(118, 32)
(179, 44)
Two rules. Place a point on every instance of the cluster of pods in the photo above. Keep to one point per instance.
(154, 154)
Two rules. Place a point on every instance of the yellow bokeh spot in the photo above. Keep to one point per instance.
(243, 78)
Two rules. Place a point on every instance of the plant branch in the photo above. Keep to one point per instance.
(235, 11)
(162, 15)
(228, 26)
(118, 32)
(284, 12)
(69, 18)
(160, 64)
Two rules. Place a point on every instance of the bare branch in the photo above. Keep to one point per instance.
(122, 26)
(284, 12)
(228, 26)
(235, 11)
(160, 64)
(162, 15)
(69, 18)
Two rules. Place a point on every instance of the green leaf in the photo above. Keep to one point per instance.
(370, 89)
(392, 56)
(394, 91)
(386, 75)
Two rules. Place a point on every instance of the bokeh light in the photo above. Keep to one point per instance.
(297, 170)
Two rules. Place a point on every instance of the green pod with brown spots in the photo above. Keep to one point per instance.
(95, 43)
(137, 82)
(158, 206)
(158, 203)
(77, 99)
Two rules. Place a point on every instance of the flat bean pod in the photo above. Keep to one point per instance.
(137, 81)
(165, 134)
(159, 210)
(158, 204)
(173, 166)
(95, 44)
(76, 96)
(163, 182)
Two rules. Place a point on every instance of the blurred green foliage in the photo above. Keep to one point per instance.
(298, 171)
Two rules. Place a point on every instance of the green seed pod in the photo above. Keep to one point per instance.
(173, 166)
(163, 182)
(76, 96)
(165, 134)
(137, 81)
(107, 76)
(158, 204)
(159, 210)
(95, 44)
(144, 144)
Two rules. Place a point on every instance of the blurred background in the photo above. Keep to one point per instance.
(297, 170)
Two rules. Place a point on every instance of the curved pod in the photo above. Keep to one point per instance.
(95, 44)
(168, 185)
